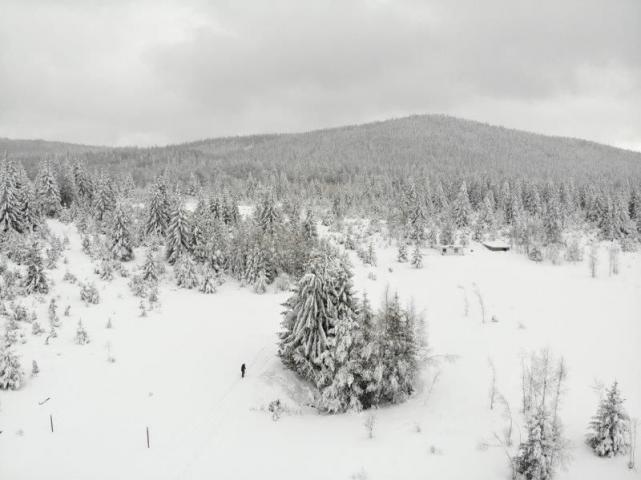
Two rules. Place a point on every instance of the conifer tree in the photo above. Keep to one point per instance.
(11, 374)
(610, 426)
(209, 281)
(309, 320)
(310, 232)
(47, 191)
(399, 351)
(150, 267)
(121, 243)
(417, 257)
(105, 197)
(401, 257)
(534, 460)
(11, 215)
(186, 274)
(36, 280)
(461, 209)
(178, 234)
(260, 285)
(159, 210)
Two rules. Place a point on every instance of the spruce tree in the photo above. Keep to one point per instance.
(209, 281)
(47, 191)
(610, 426)
(399, 351)
(150, 269)
(159, 210)
(178, 234)
(11, 374)
(309, 321)
(36, 279)
(105, 198)
(310, 232)
(11, 215)
(461, 209)
(417, 257)
(121, 243)
(534, 460)
(185, 271)
(401, 257)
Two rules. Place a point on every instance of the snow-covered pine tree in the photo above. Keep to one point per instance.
(185, 272)
(178, 234)
(370, 254)
(82, 337)
(159, 210)
(461, 209)
(83, 183)
(150, 267)
(399, 351)
(11, 215)
(104, 198)
(268, 216)
(310, 232)
(447, 234)
(401, 257)
(417, 257)
(121, 243)
(11, 374)
(309, 319)
(534, 460)
(209, 281)
(47, 190)
(610, 426)
(350, 385)
(36, 279)
(260, 285)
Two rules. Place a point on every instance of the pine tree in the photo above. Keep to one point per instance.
(83, 183)
(11, 374)
(268, 217)
(461, 210)
(36, 280)
(417, 257)
(309, 320)
(610, 426)
(370, 255)
(150, 267)
(178, 234)
(159, 210)
(401, 257)
(310, 232)
(105, 198)
(534, 460)
(185, 271)
(209, 281)
(260, 285)
(121, 243)
(11, 215)
(399, 351)
(47, 191)
(82, 338)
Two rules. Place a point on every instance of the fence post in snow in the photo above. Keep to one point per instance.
(147, 437)
(51, 422)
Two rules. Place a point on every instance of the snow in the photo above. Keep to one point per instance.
(177, 371)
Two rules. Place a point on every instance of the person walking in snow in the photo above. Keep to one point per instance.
(242, 371)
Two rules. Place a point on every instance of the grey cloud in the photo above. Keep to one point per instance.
(156, 72)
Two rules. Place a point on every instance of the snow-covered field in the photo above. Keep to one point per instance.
(177, 372)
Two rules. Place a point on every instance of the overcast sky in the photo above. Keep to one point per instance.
(159, 71)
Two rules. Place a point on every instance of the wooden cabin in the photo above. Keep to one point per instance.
(497, 245)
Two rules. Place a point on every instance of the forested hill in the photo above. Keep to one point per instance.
(425, 139)
(417, 145)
